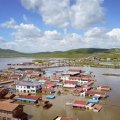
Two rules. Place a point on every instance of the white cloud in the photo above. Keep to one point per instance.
(9, 24)
(102, 38)
(86, 13)
(81, 14)
(29, 38)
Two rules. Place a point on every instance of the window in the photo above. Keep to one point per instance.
(28, 87)
(32, 90)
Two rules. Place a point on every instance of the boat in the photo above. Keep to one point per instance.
(46, 106)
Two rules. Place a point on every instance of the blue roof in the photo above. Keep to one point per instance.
(93, 101)
(51, 96)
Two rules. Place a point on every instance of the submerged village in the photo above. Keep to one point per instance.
(32, 84)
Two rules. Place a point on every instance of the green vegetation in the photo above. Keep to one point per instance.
(75, 53)
(110, 74)
(39, 61)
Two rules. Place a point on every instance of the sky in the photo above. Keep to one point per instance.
(56, 25)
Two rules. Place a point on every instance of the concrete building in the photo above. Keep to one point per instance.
(28, 87)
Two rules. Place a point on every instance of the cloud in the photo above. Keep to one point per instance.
(80, 14)
(86, 13)
(25, 18)
(102, 38)
(9, 24)
(29, 38)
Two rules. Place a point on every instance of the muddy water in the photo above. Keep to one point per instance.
(111, 106)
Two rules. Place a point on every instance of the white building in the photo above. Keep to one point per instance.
(27, 87)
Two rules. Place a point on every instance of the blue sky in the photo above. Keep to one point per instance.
(52, 25)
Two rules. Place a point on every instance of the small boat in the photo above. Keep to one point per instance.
(46, 106)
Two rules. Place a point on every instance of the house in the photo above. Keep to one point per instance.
(86, 88)
(70, 84)
(83, 82)
(78, 90)
(97, 108)
(32, 74)
(106, 88)
(65, 76)
(48, 90)
(79, 104)
(83, 94)
(101, 93)
(29, 98)
(42, 82)
(50, 96)
(75, 70)
(3, 92)
(9, 96)
(50, 84)
(28, 87)
(93, 100)
(89, 106)
(55, 78)
(12, 111)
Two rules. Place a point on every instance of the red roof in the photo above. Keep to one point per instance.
(106, 87)
(70, 82)
(96, 92)
(29, 97)
(80, 102)
(47, 89)
(78, 89)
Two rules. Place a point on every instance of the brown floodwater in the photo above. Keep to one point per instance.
(111, 105)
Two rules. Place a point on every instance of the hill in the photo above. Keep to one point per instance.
(74, 53)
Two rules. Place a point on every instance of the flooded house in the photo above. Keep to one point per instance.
(12, 111)
(105, 88)
(69, 84)
(29, 98)
(3, 92)
(79, 104)
(28, 87)
(97, 107)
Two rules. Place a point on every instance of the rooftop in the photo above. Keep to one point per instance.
(28, 83)
(8, 106)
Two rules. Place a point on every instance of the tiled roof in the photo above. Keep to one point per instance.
(8, 106)
(27, 84)
(29, 97)
(80, 102)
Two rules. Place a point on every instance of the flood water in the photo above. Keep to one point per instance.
(111, 106)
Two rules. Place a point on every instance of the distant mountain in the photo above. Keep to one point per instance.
(82, 52)
(88, 50)
(4, 51)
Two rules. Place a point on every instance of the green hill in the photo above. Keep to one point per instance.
(74, 53)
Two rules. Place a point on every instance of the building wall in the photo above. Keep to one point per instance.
(27, 89)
